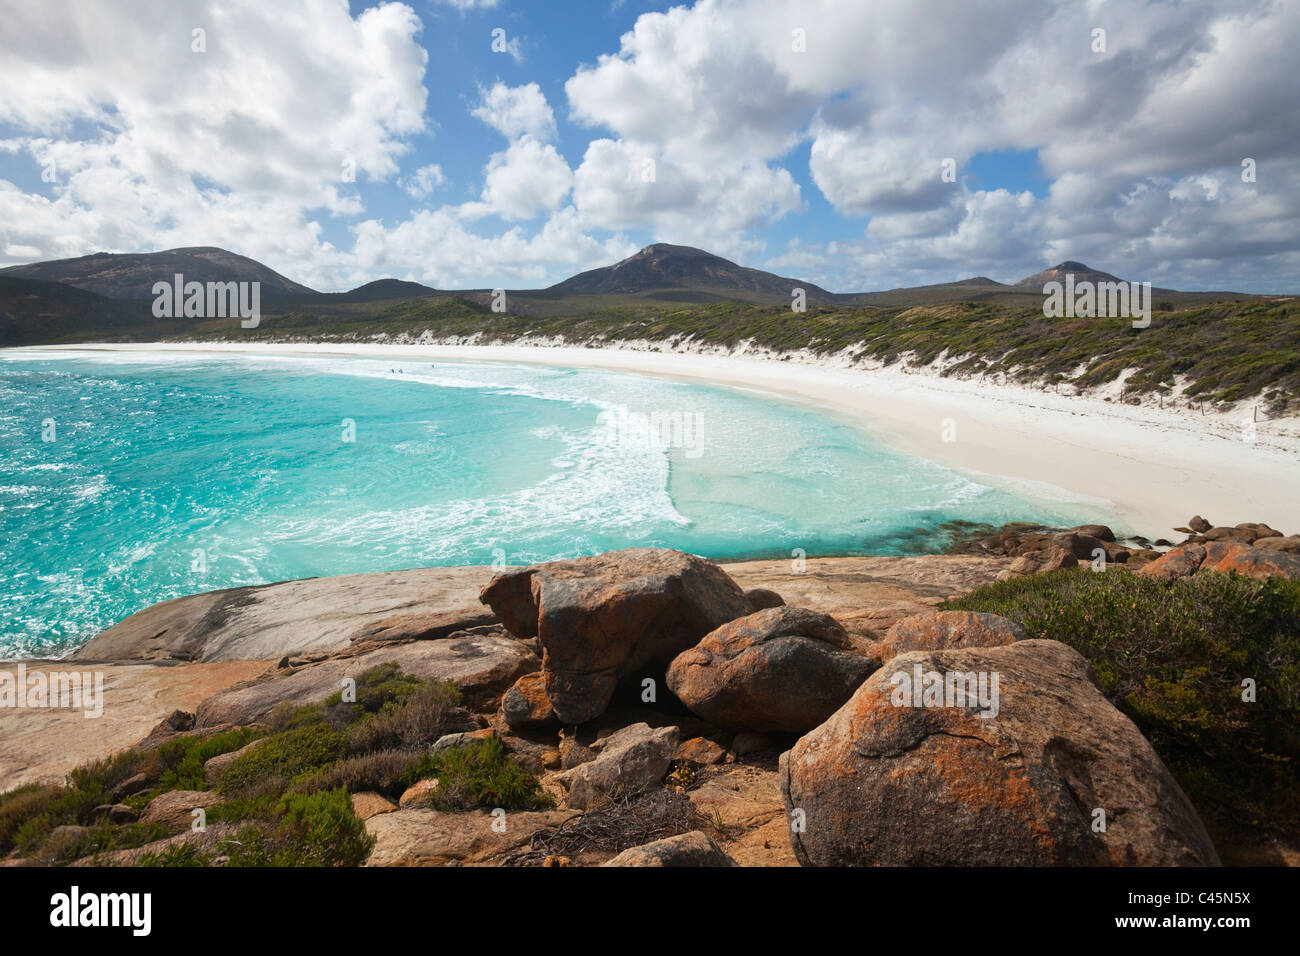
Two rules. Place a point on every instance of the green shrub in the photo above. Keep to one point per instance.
(316, 829)
(1173, 656)
(183, 758)
(35, 814)
(481, 774)
(420, 716)
(386, 771)
(20, 805)
(281, 757)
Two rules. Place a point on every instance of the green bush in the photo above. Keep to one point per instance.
(481, 774)
(281, 757)
(419, 716)
(34, 814)
(1173, 656)
(316, 829)
(388, 772)
(183, 758)
(20, 805)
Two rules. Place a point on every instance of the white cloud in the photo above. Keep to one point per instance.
(516, 110)
(234, 146)
(423, 181)
(528, 179)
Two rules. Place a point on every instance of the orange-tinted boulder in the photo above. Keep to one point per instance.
(612, 617)
(783, 669)
(945, 630)
(1020, 773)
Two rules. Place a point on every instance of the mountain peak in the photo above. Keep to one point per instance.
(1058, 272)
(684, 273)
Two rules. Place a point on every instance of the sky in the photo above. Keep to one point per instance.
(511, 143)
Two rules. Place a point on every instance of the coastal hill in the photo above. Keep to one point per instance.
(1057, 273)
(132, 275)
(686, 274)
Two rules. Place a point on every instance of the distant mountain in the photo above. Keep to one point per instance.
(132, 275)
(383, 289)
(684, 273)
(1057, 273)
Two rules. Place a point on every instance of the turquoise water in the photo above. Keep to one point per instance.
(170, 474)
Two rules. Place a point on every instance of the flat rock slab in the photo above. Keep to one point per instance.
(437, 838)
(269, 621)
(747, 801)
(41, 744)
(868, 595)
(482, 665)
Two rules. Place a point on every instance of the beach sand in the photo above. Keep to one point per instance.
(1152, 467)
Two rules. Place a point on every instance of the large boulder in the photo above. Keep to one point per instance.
(783, 669)
(1175, 563)
(607, 618)
(685, 849)
(420, 837)
(483, 665)
(946, 630)
(1083, 547)
(627, 761)
(175, 808)
(1040, 562)
(1290, 544)
(1224, 556)
(1019, 776)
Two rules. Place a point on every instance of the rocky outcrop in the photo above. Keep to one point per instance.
(1040, 562)
(1223, 556)
(269, 621)
(369, 804)
(626, 762)
(428, 626)
(686, 849)
(700, 751)
(436, 838)
(784, 669)
(525, 705)
(1289, 544)
(482, 665)
(175, 809)
(948, 630)
(422, 793)
(761, 598)
(612, 617)
(884, 782)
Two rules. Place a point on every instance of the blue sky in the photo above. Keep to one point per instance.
(804, 138)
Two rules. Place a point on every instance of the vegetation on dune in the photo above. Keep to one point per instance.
(1224, 351)
(286, 795)
(1172, 656)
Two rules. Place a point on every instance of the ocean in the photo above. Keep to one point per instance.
(130, 478)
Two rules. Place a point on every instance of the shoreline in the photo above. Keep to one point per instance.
(1152, 468)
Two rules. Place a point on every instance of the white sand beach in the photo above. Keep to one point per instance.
(1152, 467)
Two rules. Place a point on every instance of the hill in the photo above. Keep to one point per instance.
(132, 275)
(686, 274)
